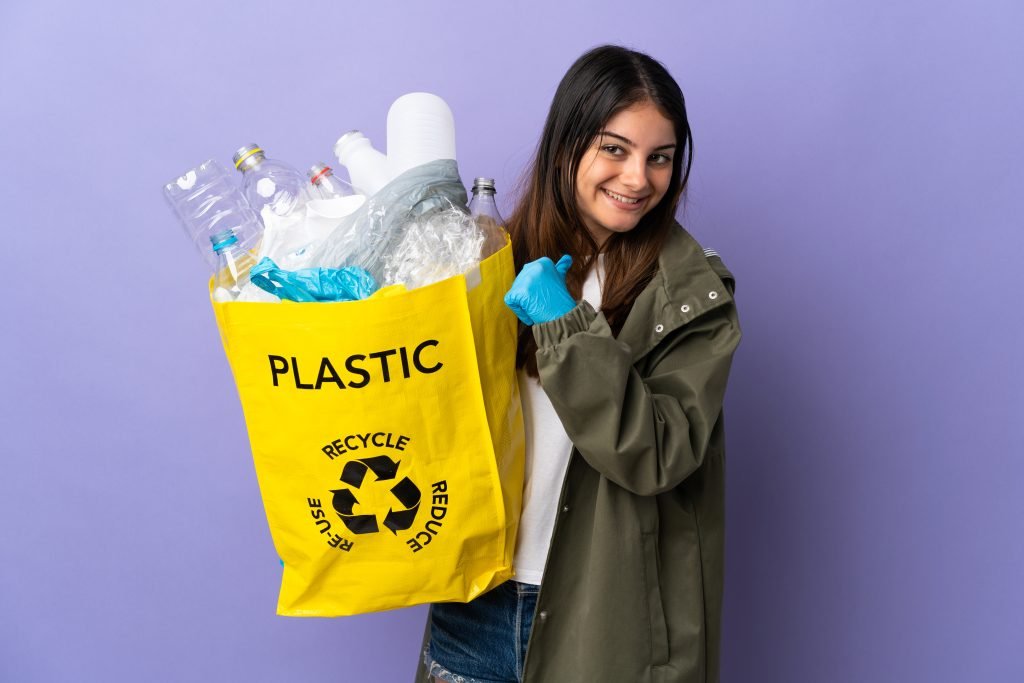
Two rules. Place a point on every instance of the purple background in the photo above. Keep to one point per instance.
(858, 166)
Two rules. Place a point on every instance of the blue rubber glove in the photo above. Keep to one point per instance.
(539, 294)
(313, 284)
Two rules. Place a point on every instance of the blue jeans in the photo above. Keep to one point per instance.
(483, 641)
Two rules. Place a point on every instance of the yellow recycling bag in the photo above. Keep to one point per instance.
(387, 438)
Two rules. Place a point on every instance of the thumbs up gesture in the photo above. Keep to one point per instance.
(539, 294)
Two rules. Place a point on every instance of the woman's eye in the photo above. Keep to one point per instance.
(612, 149)
(661, 159)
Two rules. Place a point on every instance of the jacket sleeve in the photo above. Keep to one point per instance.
(646, 434)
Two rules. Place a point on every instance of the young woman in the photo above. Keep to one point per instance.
(628, 331)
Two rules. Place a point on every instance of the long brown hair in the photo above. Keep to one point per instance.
(546, 222)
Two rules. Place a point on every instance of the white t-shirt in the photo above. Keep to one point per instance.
(547, 455)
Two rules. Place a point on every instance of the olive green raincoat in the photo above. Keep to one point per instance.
(632, 588)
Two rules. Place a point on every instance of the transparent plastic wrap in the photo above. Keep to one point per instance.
(368, 237)
(290, 240)
(435, 247)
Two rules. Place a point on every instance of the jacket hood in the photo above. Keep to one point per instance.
(690, 282)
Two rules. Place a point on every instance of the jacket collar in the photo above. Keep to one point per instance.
(687, 285)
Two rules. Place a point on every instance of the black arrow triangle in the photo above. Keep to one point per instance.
(383, 466)
(343, 502)
(399, 520)
(406, 493)
(353, 473)
(361, 524)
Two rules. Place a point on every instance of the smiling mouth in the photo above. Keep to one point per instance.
(623, 198)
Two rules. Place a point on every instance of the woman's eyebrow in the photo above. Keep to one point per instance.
(630, 142)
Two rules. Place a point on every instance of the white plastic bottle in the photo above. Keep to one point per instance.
(367, 167)
(421, 129)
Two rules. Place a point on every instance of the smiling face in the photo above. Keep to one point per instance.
(626, 171)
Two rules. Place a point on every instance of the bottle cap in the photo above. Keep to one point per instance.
(222, 239)
(317, 172)
(483, 185)
(247, 157)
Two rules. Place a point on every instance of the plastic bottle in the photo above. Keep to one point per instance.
(332, 199)
(485, 211)
(207, 201)
(325, 185)
(233, 266)
(268, 182)
(421, 128)
(367, 167)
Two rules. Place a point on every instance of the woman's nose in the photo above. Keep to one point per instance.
(634, 175)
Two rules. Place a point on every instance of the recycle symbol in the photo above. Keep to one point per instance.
(405, 492)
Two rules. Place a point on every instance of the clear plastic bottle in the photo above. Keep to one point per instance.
(207, 201)
(367, 166)
(233, 266)
(485, 211)
(325, 185)
(269, 182)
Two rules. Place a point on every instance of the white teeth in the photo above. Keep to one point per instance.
(619, 197)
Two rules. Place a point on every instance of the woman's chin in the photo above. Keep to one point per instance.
(622, 225)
